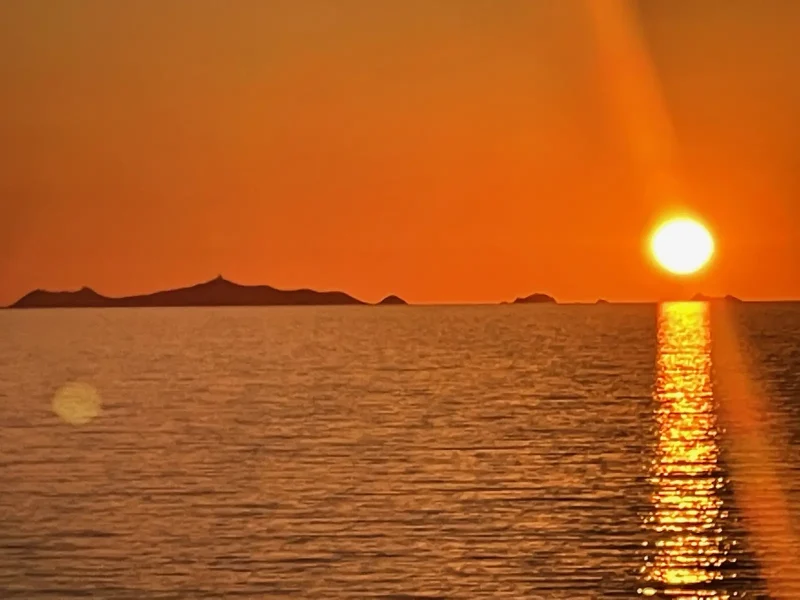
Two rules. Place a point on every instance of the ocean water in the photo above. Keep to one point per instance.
(529, 452)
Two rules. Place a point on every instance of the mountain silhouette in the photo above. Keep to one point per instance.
(536, 299)
(217, 292)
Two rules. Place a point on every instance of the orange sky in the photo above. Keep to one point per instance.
(445, 151)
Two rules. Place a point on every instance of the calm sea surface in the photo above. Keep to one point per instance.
(546, 452)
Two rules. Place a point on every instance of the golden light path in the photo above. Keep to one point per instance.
(688, 511)
(77, 403)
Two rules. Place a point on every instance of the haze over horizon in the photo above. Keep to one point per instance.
(444, 152)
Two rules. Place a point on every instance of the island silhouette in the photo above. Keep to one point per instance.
(703, 298)
(223, 292)
(216, 292)
(536, 299)
(393, 301)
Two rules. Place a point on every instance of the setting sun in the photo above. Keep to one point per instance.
(682, 246)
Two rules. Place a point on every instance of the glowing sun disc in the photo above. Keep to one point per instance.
(682, 246)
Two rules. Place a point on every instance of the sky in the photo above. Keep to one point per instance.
(442, 150)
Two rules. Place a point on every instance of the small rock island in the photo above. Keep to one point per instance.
(393, 301)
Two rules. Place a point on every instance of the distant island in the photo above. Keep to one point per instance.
(704, 298)
(216, 292)
(536, 299)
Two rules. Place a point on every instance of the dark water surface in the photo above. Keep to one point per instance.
(546, 452)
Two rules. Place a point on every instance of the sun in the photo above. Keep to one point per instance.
(682, 246)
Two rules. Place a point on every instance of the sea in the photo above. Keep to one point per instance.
(396, 453)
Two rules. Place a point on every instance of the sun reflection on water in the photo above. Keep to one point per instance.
(689, 548)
